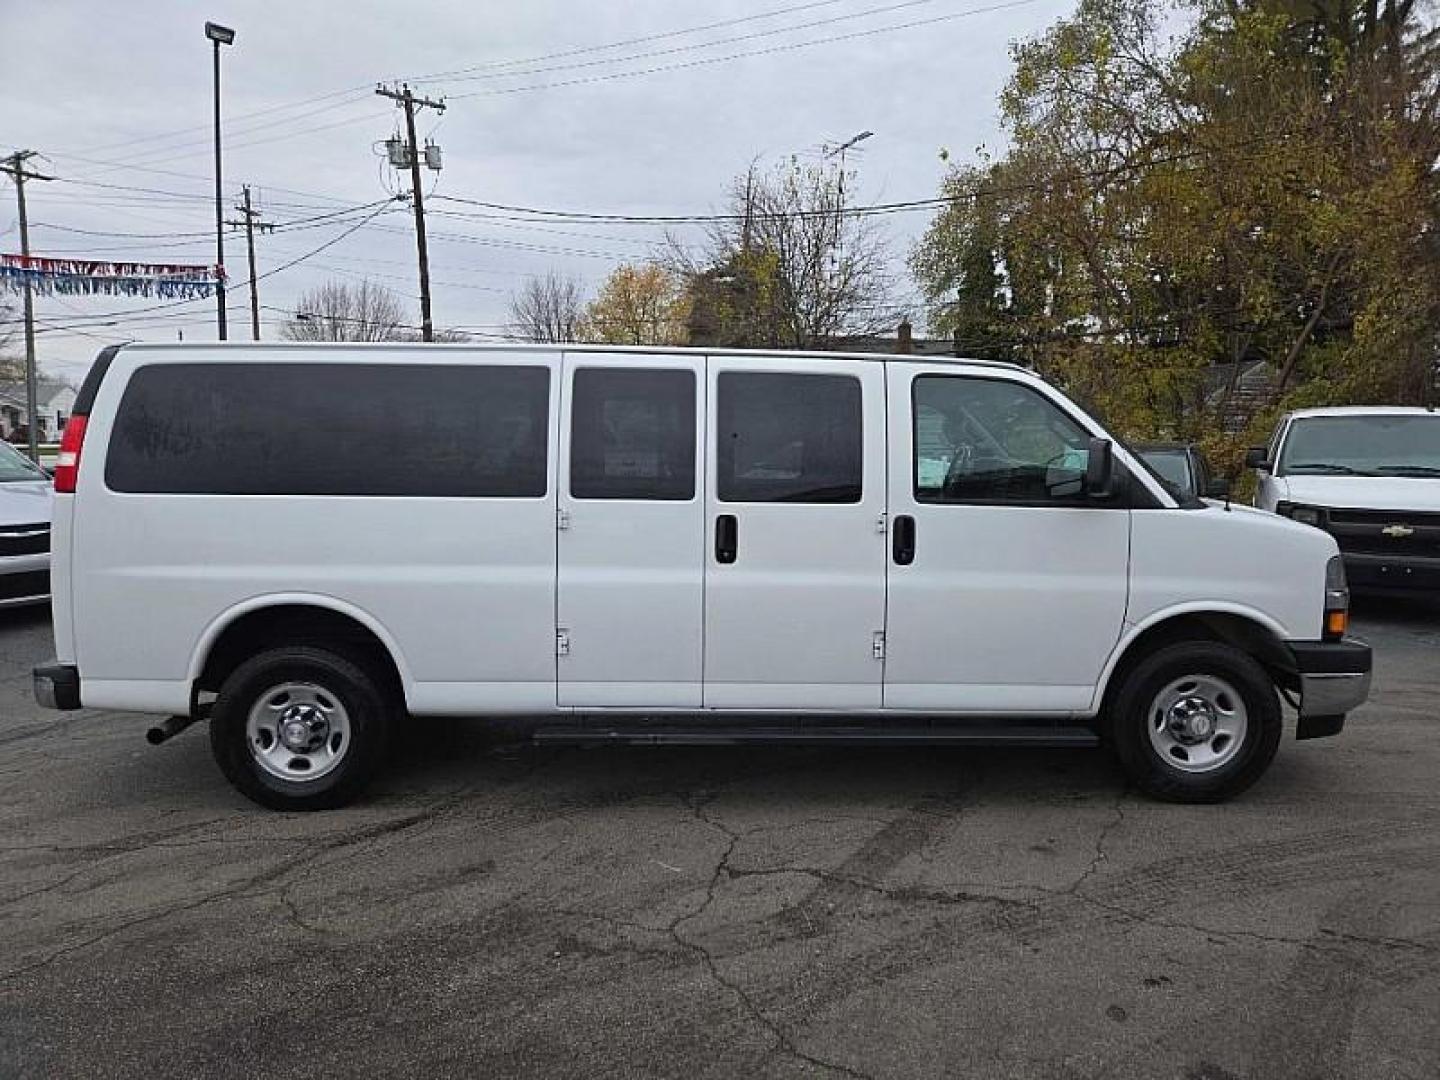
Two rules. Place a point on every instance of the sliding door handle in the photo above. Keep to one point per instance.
(727, 538)
(904, 531)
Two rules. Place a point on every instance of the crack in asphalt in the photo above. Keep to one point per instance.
(783, 1042)
(1103, 835)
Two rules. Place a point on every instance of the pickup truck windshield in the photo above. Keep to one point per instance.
(14, 466)
(1378, 445)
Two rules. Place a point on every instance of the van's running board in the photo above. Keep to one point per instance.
(878, 733)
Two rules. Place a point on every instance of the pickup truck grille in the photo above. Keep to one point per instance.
(1364, 532)
(25, 539)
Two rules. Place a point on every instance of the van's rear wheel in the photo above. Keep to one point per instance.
(299, 728)
(1197, 721)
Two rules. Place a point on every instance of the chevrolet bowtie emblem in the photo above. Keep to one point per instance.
(1399, 532)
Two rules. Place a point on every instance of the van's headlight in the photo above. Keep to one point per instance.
(1306, 515)
(1337, 600)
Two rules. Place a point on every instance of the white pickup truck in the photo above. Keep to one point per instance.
(1370, 477)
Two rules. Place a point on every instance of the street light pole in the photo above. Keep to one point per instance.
(219, 35)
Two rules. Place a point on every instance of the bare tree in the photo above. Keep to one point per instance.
(12, 357)
(547, 309)
(340, 311)
(788, 266)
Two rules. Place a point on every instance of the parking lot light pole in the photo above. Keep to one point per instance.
(219, 35)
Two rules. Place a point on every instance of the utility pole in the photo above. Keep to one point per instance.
(15, 167)
(411, 157)
(250, 223)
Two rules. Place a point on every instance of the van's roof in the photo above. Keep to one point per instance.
(1363, 410)
(238, 348)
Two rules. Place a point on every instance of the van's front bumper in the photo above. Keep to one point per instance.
(1333, 677)
(57, 686)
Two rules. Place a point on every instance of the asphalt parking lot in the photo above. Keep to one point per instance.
(496, 911)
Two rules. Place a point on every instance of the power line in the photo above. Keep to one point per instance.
(587, 49)
(309, 222)
(239, 118)
(242, 142)
(363, 89)
(772, 32)
(983, 191)
(704, 61)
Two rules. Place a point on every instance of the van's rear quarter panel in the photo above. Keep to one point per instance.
(463, 586)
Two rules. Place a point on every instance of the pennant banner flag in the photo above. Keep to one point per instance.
(89, 277)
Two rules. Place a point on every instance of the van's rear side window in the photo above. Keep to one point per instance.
(332, 429)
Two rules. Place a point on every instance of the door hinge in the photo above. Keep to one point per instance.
(880, 523)
(562, 519)
(877, 645)
(562, 643)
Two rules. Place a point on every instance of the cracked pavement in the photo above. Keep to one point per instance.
(493, 910)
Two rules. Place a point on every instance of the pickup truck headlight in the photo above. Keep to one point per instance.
(1306, 515)
(1337, 600)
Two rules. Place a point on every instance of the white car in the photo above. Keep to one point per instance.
(25, 493)
(306, 545)
(1370, 477)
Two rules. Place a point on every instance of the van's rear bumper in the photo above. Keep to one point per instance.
(57, 686)
(1334, 677)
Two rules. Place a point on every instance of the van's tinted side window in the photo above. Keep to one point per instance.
(332, 429)
(632, 434)
(789, 438)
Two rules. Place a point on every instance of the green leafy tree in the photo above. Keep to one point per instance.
(638, 305)
(1175, 216)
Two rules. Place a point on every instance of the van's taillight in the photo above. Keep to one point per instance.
(67, 464)
(1337, 600)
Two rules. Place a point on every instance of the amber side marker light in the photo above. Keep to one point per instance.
(1336, 623)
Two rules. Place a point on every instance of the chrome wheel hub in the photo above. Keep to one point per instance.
(1191, 719)
(298, 731)
(1197, 723)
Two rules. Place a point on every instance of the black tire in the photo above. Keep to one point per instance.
(367, 710)
(1128, 722)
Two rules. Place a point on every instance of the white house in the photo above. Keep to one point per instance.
(54, 400)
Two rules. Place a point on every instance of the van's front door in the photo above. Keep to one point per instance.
(1007, 583)
(631, 531)
(795, 556)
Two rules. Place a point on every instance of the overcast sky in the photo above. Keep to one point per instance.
(120, 94)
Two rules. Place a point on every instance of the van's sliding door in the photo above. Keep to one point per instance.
(795, 552)
(631, 524)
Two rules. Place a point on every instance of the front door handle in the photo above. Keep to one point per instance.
(727, 538)
(904, 540)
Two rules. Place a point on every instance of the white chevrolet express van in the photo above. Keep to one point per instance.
(310, 546)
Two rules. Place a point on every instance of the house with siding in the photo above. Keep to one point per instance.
(54, 399)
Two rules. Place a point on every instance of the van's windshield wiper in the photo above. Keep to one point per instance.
(1328, 467)
(1410, 470)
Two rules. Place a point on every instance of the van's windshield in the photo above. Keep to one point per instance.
(15, 466)
(1374, 445)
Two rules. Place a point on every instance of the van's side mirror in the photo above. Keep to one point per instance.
(1100, 469)
(1218, 488)
(1258, 457)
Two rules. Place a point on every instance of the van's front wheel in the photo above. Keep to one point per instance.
(1195, 722)
(299, 728)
